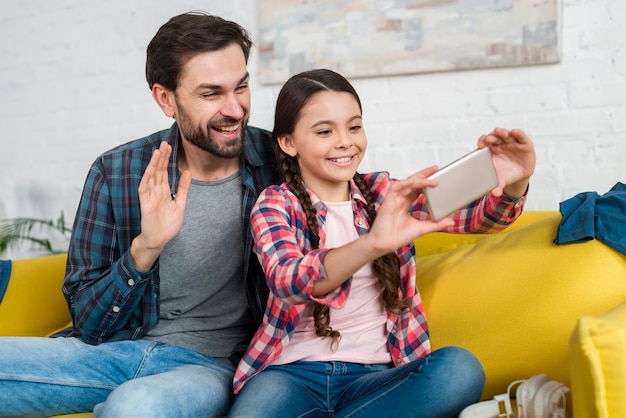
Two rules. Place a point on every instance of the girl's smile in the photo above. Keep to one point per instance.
(343, 161)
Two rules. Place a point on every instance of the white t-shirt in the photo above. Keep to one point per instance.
(361, 321)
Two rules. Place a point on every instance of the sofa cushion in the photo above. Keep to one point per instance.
(598, 364)
(514, 299)
(33, 303)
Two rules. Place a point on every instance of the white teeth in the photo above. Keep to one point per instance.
(341, 160)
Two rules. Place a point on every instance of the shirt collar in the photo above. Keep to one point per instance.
(355, 195)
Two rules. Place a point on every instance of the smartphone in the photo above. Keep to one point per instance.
(460, 183)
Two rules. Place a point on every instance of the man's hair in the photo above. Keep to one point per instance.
(184, 36)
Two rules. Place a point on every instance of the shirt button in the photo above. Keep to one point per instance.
(393, 331)
(116, 309)
(361, 222)
(131, 282)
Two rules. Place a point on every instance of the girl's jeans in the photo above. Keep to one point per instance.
(438, 385)
(141, 378)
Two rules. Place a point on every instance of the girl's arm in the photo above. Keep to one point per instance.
(290, 265)
(394, 227)
(514, 159)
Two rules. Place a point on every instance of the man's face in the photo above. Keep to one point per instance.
(213, 101)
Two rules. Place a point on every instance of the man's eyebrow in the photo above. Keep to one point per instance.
(208, 86)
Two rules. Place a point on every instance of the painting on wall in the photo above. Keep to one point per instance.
(364, 38)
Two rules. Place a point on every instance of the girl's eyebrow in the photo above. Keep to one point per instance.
(322, 122)
(330, 122)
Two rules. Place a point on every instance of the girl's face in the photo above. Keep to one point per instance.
(329, 142)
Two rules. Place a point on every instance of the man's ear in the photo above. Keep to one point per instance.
(165, 99)
(285, 142)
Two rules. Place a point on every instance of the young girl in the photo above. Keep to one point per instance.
(344, 332)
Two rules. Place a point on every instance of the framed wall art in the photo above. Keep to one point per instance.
(363, 38)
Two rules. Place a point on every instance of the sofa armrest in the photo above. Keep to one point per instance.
(33, 304)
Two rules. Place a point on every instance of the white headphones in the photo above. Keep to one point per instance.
(540, 397)
(536, 397)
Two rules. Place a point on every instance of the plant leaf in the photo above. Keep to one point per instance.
(16, 231)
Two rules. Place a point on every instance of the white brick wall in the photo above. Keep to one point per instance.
(72, 83)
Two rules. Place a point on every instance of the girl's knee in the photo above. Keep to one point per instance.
(463, 368)
(461, 360)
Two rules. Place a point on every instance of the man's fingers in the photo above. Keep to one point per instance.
(183, 186)
(145, 180)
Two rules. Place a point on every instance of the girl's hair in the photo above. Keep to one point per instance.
(292, 98)
(184, 36)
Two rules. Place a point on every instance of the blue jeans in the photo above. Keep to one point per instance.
(438, 385)
(141, 378)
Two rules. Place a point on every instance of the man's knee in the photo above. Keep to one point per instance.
(166, 396)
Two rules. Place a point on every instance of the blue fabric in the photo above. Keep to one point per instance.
(141, 378)
(5, 274)
(588, 215)
(440, 384)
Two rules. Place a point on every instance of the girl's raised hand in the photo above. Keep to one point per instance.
(514, 158)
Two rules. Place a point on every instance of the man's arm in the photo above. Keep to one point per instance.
(110, 297)
(101, 286)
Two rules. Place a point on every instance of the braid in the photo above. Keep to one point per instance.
(387, 267)
(293, 177)
(292, 98)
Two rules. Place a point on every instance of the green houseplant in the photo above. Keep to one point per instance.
(39, 233)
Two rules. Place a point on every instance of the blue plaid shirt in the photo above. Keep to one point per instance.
(108, 299)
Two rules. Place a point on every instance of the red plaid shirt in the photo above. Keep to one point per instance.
(291, 266)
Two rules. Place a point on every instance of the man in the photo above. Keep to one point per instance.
(160, 282)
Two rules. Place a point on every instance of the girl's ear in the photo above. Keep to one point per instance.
(165, 99)
(285, 142)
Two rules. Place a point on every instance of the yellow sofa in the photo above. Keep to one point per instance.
(519, 302)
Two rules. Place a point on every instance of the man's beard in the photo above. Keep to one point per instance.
(203, 140)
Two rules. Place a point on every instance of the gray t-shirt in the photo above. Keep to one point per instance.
(203, 304)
